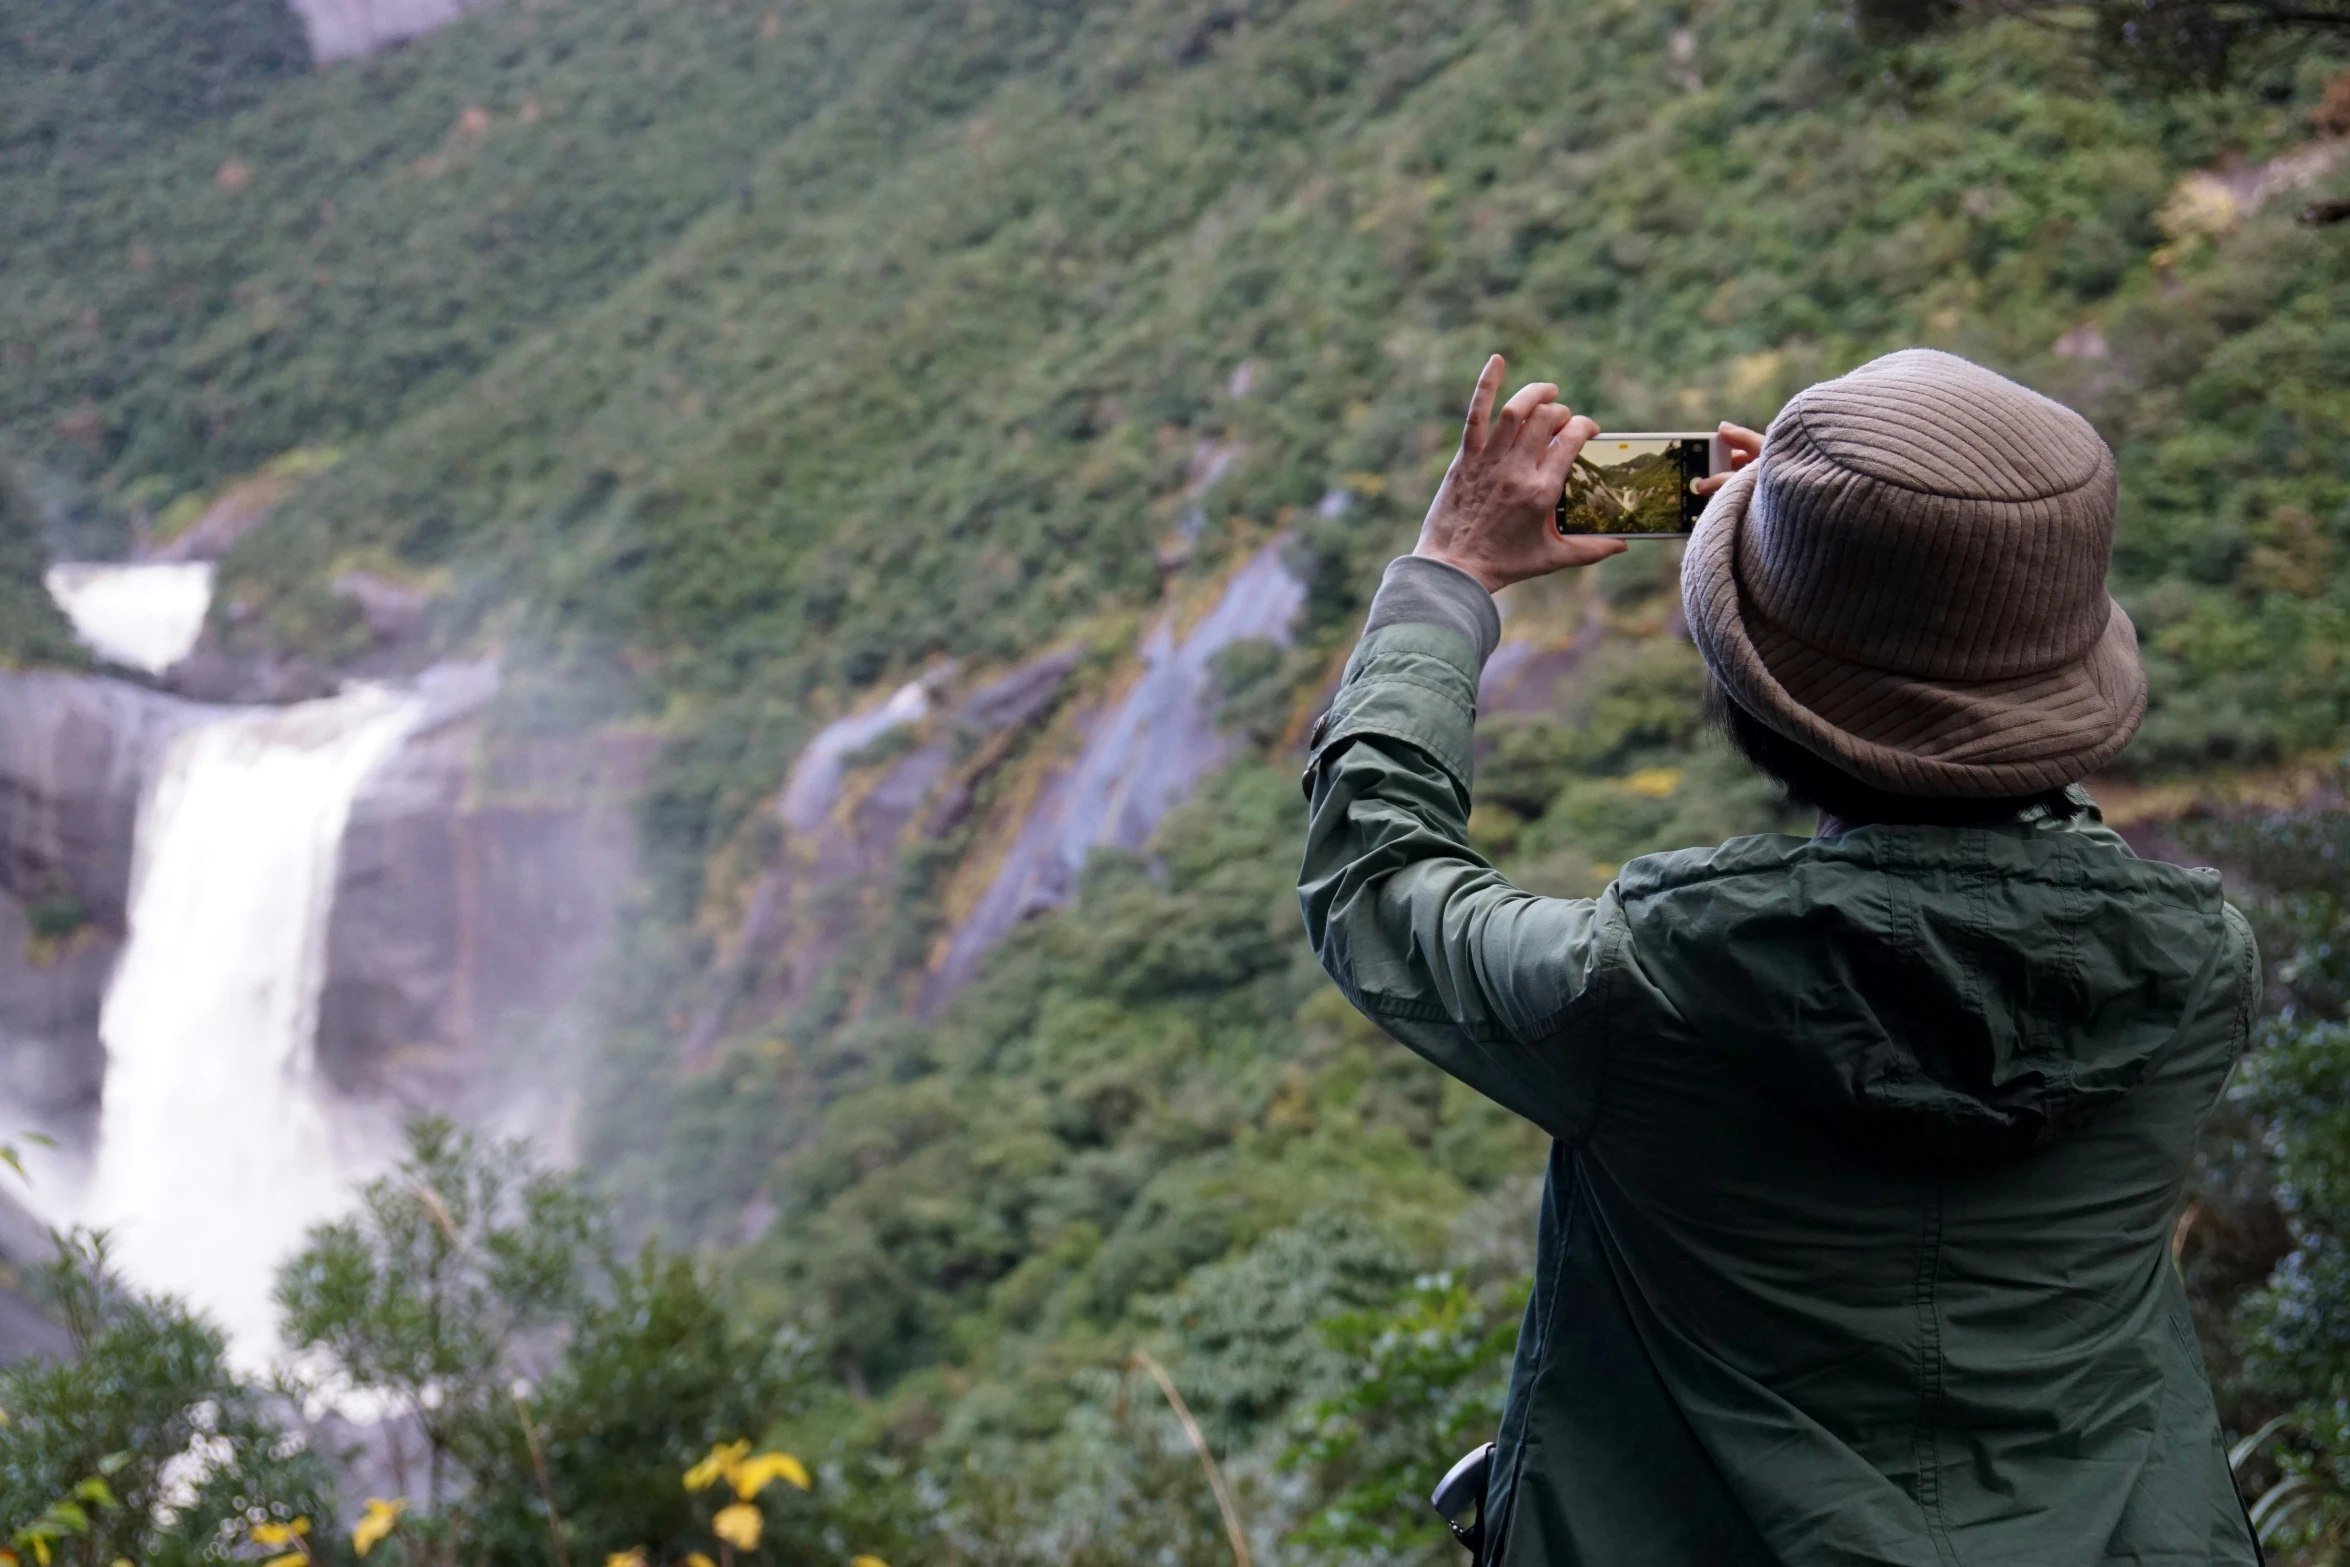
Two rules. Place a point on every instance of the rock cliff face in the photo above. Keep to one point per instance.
(1142, 754)
(341, 28)
(75, 755)
(477, 891)
(1071, 771)
(842, 836)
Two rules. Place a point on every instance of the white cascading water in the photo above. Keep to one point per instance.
(216, 1149)
(146, 616)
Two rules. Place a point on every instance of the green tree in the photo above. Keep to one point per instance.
(456, 1265)
(147, 1401)
(656, 1372)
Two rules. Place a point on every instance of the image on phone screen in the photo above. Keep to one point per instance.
(1636, 486)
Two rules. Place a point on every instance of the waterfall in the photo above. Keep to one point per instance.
(216, 1148)
(145, 616)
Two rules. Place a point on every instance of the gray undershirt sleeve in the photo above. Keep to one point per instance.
(1419, 591)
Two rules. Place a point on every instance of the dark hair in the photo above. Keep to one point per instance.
(1820, 785)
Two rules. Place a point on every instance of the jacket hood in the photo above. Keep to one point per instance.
(1946, 994)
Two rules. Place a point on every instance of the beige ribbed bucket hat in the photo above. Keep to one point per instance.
(1910, 583)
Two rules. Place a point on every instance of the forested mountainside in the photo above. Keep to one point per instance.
(730, 367)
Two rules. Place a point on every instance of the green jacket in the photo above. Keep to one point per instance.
(1855, 1243)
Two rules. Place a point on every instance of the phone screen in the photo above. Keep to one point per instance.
(1636, 486)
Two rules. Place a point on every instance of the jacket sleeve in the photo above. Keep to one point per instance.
(1499, 987)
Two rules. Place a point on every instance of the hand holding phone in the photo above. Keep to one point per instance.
(1492, 516)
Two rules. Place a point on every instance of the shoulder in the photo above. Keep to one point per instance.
(1764, 854)
(1870, 873)
(1704, 895)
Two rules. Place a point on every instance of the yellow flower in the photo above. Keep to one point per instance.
(370, 1530)
(739, 1526)
(751, 1476)
(273, 1533)
(867, 1561)
(697, 1559)
(634, 1556)
(724, 1459)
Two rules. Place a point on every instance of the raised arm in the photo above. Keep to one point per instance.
(1491, 983)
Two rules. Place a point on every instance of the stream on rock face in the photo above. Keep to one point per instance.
(217, 1147)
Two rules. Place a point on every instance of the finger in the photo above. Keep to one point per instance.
(1473, 432)
(1582, 550)
(1543, 426)
(1745, 445)
(1716, 480)
(1566, 446)
(1515, 412)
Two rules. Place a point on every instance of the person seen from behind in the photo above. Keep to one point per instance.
(1855, 1242)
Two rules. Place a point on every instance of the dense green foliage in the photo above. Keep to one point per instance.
(1428, 1383)
(656, 1374)
(2231, 414)
(146, 1384)
(722, 365)
(85, 84)
(32, 629)
(2193, 43)
(2292, 1332)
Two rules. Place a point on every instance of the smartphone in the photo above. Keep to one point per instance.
(1640, 486)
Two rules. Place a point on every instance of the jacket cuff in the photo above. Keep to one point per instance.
(1419, 591)
(1414, 675)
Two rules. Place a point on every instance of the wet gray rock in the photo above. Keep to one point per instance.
(52, 1066)
(394, 942)
(210, 674)
(476, 892)
(391, 611)
(841, 843)
(75, 755)
(1143, 754)
(339, 29)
